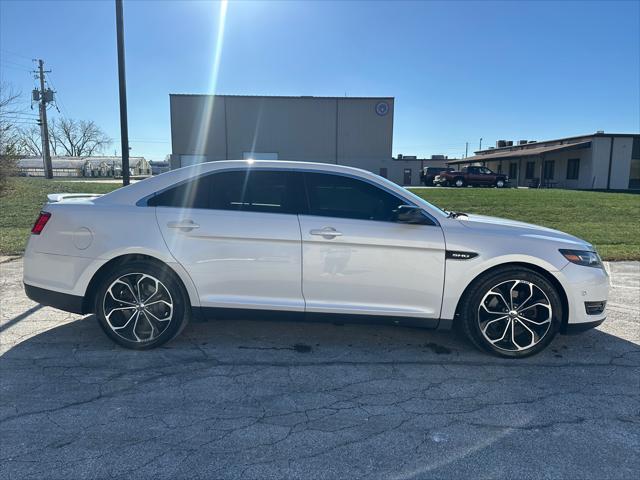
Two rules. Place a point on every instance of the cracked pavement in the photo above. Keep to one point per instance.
(255, 399)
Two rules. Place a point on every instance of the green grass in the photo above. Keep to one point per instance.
(22, 199)
(610, 221)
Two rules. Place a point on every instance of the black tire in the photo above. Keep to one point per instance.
(472, 314)
(459, 182)
(169, 283)
(500, 183)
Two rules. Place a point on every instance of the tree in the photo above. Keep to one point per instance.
(9, 111)
(77, 138)
(9, 133)
(31, 141)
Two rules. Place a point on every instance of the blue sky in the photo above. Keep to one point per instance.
(458, 70)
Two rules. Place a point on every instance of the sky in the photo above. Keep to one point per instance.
(459, 71)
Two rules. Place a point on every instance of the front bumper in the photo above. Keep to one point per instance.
(584, 284)
(574, 328)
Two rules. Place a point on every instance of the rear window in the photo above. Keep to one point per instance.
(244, 190)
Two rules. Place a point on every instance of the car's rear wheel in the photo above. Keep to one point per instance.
(512, 312)
(458, 182)
(500, 183)
(141, 305)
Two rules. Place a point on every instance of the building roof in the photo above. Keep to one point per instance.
(277, 96)
(515, 152)
(76, 162)
(556, 140)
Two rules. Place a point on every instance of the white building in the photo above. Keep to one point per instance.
(596, 161)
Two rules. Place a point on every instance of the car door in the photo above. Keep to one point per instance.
(237, 235)
(356, 259)
(488, 177)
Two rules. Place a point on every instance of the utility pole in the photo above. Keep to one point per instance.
(122, 84)
(480, 148)
(466, 149)
(44, 127)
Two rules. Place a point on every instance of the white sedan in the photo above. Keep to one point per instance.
(306, 240)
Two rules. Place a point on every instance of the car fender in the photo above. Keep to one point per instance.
(459, 274)
(161, 256)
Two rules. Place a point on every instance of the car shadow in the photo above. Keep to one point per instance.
(291, 342)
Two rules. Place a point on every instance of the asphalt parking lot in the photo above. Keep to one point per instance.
(250, 399)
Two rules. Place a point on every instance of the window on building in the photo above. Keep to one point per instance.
(513, 171)
(530, 171)
(343, 197)
(383, 172)
(573, 168)
(245, 190)
(549, 167)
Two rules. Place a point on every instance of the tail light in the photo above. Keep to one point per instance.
(42, 220)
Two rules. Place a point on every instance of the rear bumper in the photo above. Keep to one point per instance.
(50, 298)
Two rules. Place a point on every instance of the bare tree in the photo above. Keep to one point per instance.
(31, 141)
(9, 110)
(9, 133)
(77, 138)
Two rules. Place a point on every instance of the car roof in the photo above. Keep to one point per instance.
(134, 192)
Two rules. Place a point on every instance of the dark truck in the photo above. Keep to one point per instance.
(428, 174)
(474, 176)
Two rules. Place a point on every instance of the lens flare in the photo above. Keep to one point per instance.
(206, 113)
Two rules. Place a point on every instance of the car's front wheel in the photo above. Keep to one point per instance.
(458, 182)
(141, 305)
(511, 312)
(500, 183)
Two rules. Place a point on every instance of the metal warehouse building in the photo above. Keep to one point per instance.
(596, 161)
(344, 130)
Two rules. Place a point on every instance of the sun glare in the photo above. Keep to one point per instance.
(207, 111)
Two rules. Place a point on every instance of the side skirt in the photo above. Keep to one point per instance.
(212, 313)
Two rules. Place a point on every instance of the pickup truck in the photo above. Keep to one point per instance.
(429, 173)
(474, 176)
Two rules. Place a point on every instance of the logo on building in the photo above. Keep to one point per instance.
(382, 108)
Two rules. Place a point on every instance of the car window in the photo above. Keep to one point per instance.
(245, 190)
(486, 171)
(191, 194)
(344, 197)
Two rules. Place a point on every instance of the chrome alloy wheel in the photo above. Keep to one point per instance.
(515, 315)
(138, 307)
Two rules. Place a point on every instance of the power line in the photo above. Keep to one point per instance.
(57, 97)
(15, 54)
(15, 66)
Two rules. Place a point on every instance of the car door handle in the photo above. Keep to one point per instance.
(326, 232)
(186, 225)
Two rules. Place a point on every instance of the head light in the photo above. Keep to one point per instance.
(585, 258)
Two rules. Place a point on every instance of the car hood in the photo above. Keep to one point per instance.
(513, 227)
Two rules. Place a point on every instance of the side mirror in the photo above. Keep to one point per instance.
(411, 214)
